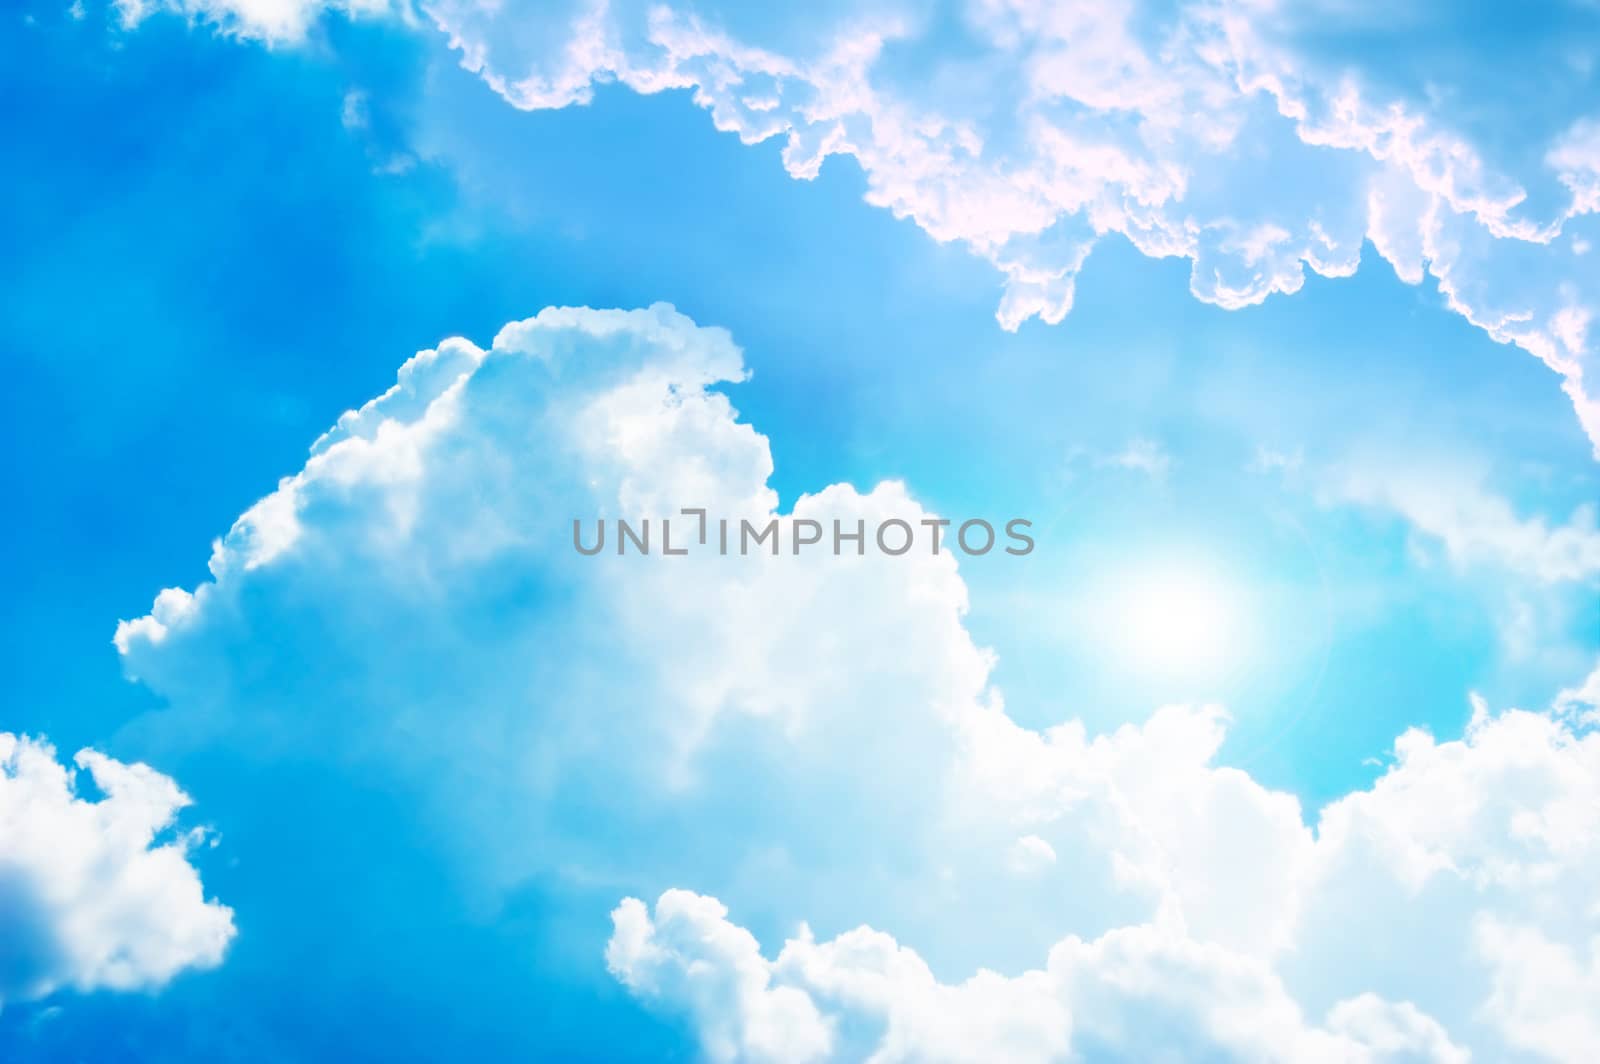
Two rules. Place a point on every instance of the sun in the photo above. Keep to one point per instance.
(1183, 620)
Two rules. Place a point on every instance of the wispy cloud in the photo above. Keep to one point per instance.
(1143, 456)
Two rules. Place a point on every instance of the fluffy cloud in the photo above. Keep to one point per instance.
(89, 899)
(812, 737)
(1227, 133)
(1462, 878)
(1134, 993)
(1418, 882)
(1232, 133)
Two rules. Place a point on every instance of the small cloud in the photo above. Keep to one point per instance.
(1030, 855)
(355, 112)
(396, 165)
(1141, 455)
(92, 899)
(1267, 460)
(1582, 703)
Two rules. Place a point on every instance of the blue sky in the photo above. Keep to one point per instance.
(1361, 504)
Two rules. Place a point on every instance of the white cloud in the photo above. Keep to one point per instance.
(354, 113)
(89, 899)
(1491, 828)
(1213, 131)
(271, 21)
(1582, 702)
(1136, 993)
(1268, 460)
(1221, 132)
(1576, 158)
(730, 993)
(817, 738)
(1475, 526)
(1142, 456)
(1544, 991)
(1031, 854)
(1462, 879)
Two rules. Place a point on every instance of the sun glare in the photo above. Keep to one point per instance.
(1177, 620)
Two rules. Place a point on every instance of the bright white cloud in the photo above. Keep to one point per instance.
(271, 21)
(818, 738)
(1475, 526)
(1218, 132)
(1463, 878)
(1133, 994)
(1491, 831)
(1227, 132)
(89, 898)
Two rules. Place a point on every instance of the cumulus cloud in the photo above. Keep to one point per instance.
(1461, 879)
(1223, 133)
(1411, 879)
(1132, 994)
(812, 737)
(89, 898)
(1234, 134)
